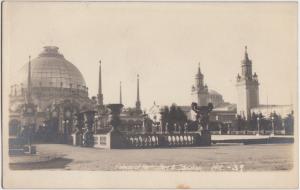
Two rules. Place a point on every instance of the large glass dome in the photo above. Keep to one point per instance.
(51, 69)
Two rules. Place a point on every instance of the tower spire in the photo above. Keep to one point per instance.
(138, 102)
(120, 92)
(246, 53)
(199, 70)
(100, 95)
(29, 82)
(247, 87)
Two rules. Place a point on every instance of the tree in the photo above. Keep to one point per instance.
(239, 123)
(173, 116)
(277, 121)
(265, 124)
(253, 123)
(165, 117)
(289, 124)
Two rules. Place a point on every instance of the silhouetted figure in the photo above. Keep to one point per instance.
(202, 116)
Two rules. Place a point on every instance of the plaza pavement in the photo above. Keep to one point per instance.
(219, 157)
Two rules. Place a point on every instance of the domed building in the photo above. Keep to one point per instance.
(215, 97)
(202, 95)
(222, 112)
(54, 86)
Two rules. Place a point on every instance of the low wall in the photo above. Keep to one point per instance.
(102, 141)
(252, 139)
(262, 132)
(117, 140)
(77, 139)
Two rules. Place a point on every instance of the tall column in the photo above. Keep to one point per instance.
(29, 82)
(138, 102)
(100, 95)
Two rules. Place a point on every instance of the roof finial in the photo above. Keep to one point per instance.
(199, 70)
(246, 53)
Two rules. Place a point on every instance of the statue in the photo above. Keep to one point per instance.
(114, 117)
(202, 114)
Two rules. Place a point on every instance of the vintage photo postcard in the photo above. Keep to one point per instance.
(149, 94)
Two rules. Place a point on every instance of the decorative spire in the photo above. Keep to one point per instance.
(120, 92)
(138, 102)
(199, 74)
(138, 88)
(246, 54)
(100, 95)
(199, 70)
(29, 82)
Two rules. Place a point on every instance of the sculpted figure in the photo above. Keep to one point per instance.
(202, 114)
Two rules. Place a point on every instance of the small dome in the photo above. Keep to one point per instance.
(213, 92)
(51, 69)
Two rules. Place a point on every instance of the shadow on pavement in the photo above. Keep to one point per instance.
(56, 163)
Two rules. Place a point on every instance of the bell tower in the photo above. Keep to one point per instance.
(247, 88)
(200, 90)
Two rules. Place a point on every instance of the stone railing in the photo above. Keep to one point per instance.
(121, 140)
(161, 140)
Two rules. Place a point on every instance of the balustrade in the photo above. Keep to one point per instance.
(159, 140)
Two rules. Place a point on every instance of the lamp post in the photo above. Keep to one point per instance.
(220, 126)
(44, 126)
(167, 127)
(283, 126)
(258, 126)
(96, 123)
(273, 128)
(65, 127)
(228, 127)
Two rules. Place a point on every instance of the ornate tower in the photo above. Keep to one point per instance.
(100, 95)
(138, 102)
(199, 90)
(247, 87)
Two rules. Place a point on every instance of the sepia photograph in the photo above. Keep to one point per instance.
(149, 94)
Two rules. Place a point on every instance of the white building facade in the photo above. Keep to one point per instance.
(247, 88)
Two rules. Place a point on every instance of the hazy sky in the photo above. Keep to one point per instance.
(163, 42)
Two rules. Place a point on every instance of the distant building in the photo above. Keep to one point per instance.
(131, 117)
(225, 113)
(222, 112)
(266, 110)
(154, 112)
(200, 90)
(202, 95)
(248, 94)
(215, 98)
(247, 88)
(54, 86)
